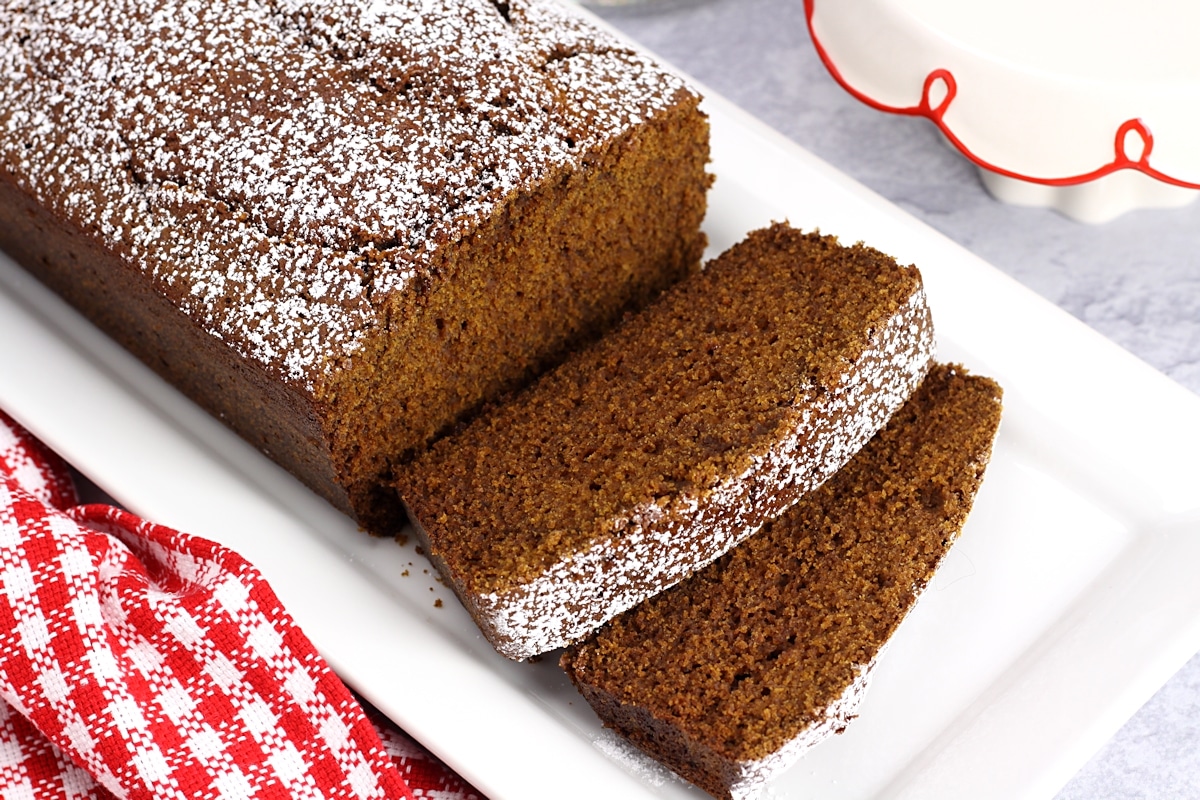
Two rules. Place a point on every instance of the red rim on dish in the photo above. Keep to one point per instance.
(1133, 141)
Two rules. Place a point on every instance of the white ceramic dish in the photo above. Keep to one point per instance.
(1088, 106)
(1069, 600)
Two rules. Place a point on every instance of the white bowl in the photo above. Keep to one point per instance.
(1091, 107)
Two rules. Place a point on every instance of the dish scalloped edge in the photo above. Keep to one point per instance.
(943, 80)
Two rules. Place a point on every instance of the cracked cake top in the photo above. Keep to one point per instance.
(278, 167)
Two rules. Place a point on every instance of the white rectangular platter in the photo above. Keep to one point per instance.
(1068, 601)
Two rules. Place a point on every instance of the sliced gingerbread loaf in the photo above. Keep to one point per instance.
(343, 226)
(731, 675)
(647, 455)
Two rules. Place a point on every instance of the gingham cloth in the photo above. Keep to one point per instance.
(139, 662)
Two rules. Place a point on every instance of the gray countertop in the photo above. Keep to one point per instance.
(1136, 279)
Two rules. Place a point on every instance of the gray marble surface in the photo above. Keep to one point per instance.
(1136, 279)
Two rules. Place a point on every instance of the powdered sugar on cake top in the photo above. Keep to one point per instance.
(279, 168)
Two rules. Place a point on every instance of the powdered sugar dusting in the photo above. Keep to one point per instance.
(279, 167)
(751, 776)
(653, 550)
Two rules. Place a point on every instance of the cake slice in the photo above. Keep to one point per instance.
(646, 456)
(731, 675)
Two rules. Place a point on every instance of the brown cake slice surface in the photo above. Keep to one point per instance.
(731, 675)
(648, 455)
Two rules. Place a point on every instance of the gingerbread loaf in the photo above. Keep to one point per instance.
(731, 675)
(647, 455)
(341, 226)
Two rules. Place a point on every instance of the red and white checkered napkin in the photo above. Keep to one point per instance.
(140, 662)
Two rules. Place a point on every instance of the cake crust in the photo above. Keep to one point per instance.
(652, 452)
(730, 676)
(271, 203)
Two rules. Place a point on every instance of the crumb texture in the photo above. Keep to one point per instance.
(652, 452)
(725, 672)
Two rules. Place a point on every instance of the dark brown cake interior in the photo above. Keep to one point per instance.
(738, 660)
(609, 429)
